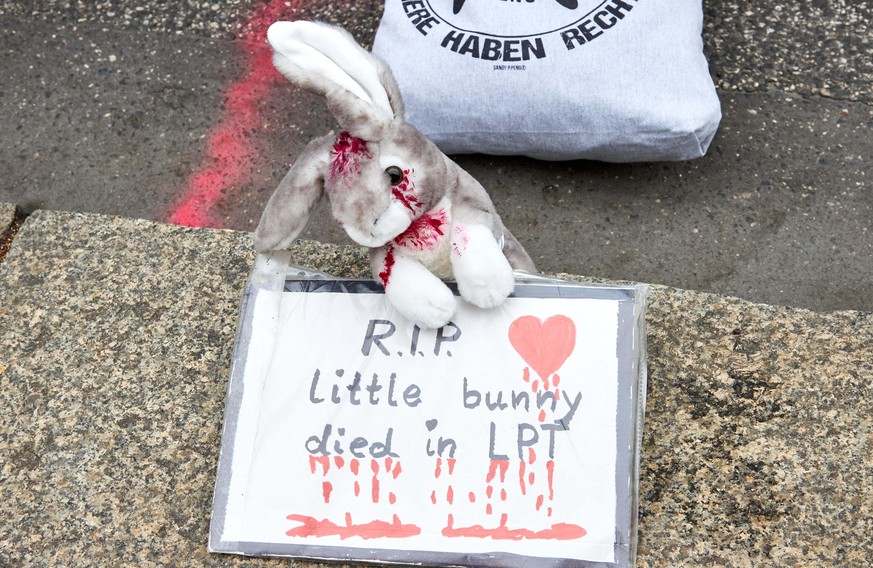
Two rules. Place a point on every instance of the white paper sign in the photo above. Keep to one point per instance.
(357, 435)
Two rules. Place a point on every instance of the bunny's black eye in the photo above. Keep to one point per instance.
(395, 174)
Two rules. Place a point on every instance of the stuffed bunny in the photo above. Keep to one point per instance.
(389, 187)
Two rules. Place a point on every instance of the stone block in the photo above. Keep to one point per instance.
(115, 346)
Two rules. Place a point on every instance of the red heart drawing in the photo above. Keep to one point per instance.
(543, 345)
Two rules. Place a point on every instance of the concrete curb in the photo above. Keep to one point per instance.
(114, 358)
(8, 225)
(7, 216)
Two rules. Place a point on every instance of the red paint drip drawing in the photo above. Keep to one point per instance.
(550, 469)
(494, 466)
(346, 155)
(312, 527)
(425, 233)
(230, 152)
(323, 460)
(558, 531)
(374, 487)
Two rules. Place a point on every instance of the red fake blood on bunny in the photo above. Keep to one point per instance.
(404, 192)
(385, 275)
(346, 155)
(425, 233)
(460, 241)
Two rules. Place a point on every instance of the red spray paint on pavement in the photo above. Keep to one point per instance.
(230, 154)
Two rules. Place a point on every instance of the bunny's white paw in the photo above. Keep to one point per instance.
(483, 274)
(419, 295)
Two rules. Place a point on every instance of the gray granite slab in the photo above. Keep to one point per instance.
(115, 345)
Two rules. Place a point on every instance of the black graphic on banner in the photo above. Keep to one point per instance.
(515, 31)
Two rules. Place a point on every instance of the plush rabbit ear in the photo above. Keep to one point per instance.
(359, 88)
(290, 206)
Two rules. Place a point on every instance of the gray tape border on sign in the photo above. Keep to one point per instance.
(631, 351)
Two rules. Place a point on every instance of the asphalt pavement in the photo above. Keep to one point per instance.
(123, 107)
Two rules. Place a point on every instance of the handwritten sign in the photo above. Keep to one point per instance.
(508, 434)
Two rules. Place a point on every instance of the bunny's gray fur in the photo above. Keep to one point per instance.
(389, 186)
